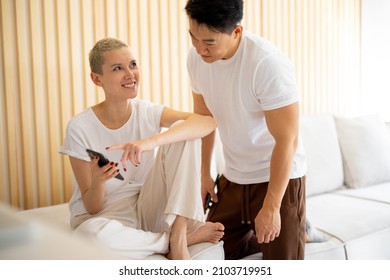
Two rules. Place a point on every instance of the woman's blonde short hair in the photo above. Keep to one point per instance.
(96, 59)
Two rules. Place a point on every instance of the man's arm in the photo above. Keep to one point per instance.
(283, 124)
(207, 150)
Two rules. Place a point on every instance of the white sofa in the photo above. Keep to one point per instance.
(348, 185)
(44, 233)
(348, 191)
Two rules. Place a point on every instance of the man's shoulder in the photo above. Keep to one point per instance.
(259, 45)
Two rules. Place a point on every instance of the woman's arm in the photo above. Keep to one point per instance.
(193, 126)
(91, 180)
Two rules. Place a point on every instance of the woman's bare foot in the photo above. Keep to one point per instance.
(178, 240)
(209, 232)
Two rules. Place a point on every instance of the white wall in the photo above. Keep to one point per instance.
(375, 51)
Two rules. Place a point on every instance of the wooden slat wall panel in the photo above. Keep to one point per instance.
(322, 38)
(44, 71)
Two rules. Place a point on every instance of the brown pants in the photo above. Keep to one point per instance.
(239, 205)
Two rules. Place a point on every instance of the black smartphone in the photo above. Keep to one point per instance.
(102, 161)
(209, 202)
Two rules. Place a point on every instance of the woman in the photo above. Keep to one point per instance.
(157, 208)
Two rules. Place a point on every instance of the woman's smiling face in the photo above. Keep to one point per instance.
(120, 73)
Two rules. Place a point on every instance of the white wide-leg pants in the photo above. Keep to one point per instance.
(139, 226)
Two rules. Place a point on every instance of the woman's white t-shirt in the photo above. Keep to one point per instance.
(85, 131)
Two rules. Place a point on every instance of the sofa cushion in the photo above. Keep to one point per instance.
(347, 217)
(361, 224)
(379, 193)
(200, 251)
(57, 217)
(365, 146)
(332, 249)
(324, 162)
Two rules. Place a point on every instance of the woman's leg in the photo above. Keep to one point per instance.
(170, 200)
(115, 228)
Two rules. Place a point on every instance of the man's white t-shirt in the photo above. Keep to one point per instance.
(85, 131)
(237, 91)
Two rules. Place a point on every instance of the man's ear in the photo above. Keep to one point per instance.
(95, 79)
(237, 31)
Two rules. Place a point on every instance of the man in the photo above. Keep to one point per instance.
(248, 86)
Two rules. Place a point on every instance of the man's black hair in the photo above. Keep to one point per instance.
(220, 15)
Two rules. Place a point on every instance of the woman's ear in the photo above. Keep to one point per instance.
(95, 79)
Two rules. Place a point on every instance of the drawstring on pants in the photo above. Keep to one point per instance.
(245, 211)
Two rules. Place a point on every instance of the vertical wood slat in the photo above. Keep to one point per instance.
(76, 84)
(64, 82)
(174, 73)
(164, 39)
(184, 45)
(24, 99)
(51, 71)
(121, 20)
(110, 14)
(76, 56)
(10, 124)
(4, 192)
(88, 38)
(44, 73)
(154, 45)
(39, 102)
(144, 50)
(100, 31)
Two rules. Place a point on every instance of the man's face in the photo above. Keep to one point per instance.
(212, 45)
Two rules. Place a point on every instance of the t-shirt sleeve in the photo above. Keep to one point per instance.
(149, 118)
(74, 145)
(275, 83)
(191, 68)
